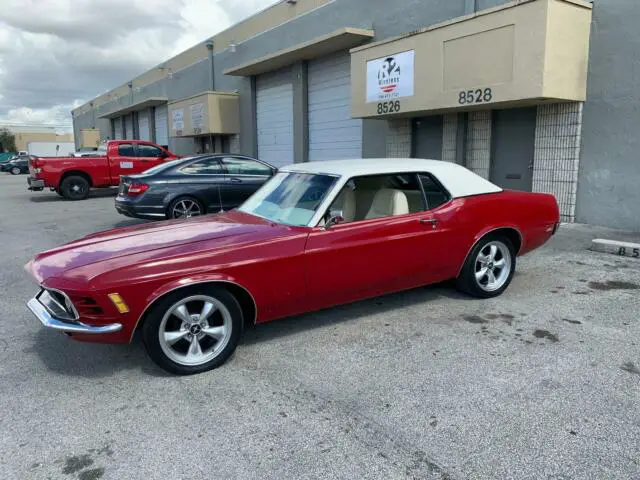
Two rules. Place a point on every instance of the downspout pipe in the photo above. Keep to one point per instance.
(212, 77)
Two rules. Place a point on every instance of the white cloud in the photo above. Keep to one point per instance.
(56, 54)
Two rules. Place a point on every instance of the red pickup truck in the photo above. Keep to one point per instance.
(73, 177)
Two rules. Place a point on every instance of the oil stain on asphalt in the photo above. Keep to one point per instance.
(546, 334)
(631, 368)
(613, 285)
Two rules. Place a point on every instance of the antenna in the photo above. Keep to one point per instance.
(220, 200)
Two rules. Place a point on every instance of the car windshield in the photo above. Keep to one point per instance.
(289, 198)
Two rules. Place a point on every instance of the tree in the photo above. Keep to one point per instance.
(7, 140)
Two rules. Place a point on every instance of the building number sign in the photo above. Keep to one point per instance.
(475, 96)
(389, 107)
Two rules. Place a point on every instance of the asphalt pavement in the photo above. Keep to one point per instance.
(540, 383)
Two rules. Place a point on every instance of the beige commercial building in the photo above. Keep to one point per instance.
(523, 92)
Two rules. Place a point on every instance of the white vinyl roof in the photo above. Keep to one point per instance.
(459, 181)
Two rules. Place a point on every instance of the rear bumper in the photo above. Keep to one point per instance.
(35, 183)
(49, 321)
(128, 209)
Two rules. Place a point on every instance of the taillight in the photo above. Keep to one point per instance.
(136, 189)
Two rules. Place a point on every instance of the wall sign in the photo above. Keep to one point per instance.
(177, 118)
(197, 116)
(390, 77)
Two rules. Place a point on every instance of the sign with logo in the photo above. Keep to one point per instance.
(197, 116)
(177, 118)
(390, 77)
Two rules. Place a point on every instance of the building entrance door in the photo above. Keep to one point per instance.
(512, 148)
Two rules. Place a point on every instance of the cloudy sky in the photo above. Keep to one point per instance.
(58, 54)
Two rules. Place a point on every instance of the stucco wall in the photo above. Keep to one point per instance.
(608, 181)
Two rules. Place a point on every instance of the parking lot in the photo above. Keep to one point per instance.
(540, 383)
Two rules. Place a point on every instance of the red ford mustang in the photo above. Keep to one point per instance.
(316, 235)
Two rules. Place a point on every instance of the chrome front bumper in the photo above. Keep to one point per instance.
(49, 321)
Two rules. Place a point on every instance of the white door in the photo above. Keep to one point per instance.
(274, 117)
(162, 125)
(117, 128)
(333, 134)
(128, 127)
(143, 125)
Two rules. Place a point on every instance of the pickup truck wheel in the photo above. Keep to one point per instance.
(193, 330)
(75, 187)
(489, 269)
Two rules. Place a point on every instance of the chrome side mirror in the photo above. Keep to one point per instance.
(335, 217)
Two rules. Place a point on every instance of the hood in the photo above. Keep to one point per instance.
(152, 241)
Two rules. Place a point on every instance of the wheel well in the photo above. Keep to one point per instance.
(78, 174)
(512, 234)
(244, 298)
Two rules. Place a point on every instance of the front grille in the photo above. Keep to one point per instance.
(58, 304)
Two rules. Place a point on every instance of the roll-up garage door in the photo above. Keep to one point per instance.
(274, 117)
(117, 128)
(333, 134)
(143, 125)
(162, 125)
(128, 127)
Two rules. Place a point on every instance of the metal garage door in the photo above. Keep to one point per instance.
(274, 117)
(128, 127)
(162, 125)
(143, 125)
(117, 128)
(333, 134)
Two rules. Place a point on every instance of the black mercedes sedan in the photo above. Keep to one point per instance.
(191, 186)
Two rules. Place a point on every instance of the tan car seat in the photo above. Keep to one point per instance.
(388, 202)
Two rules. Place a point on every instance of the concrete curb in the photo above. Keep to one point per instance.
(622, 249)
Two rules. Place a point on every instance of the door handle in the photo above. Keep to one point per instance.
(236, 180)
(431, 221)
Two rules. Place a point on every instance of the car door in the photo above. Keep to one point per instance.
(244, 177)
(123, 161)
(148, 156)
(371, 256)
(204, 179)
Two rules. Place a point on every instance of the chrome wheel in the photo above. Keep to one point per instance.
(493, 266)
(15, 171)
(195, 330)
(186, 209)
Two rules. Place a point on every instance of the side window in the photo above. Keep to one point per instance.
(205, 166)
(126, 150)
(148, 151)
(244, 166)
(378, 196)
(434, 193)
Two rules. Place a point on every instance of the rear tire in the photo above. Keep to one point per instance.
(16, 171)
(75, 187)
(193, 330)
(191, 206)
(489, 268)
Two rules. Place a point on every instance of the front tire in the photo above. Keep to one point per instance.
(489, 268)
(16, 171)
(193, 330)
(75, 187)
